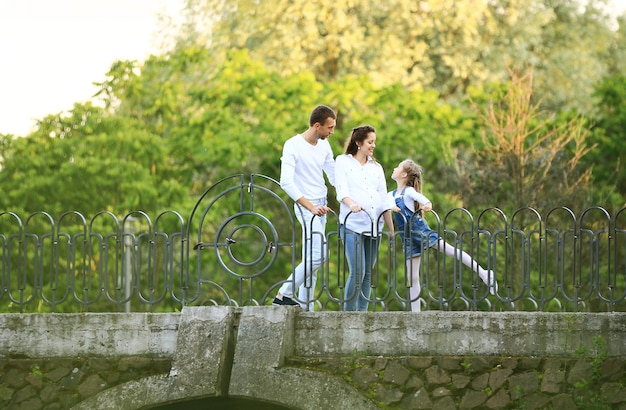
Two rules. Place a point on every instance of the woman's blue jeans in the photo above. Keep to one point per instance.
(361, 254)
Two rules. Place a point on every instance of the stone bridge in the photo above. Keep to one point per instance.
(552, 337)
(263, 357)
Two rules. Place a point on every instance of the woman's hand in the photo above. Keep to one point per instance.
(354, 208)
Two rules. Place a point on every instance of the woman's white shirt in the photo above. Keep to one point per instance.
(367, 187)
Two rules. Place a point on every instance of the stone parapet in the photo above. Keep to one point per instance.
(310, 360)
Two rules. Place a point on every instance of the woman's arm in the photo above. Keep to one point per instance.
(342, 184)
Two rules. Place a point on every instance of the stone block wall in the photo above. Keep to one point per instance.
(455, 382)
(60, 383)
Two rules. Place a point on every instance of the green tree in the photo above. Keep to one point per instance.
(86, 162)
(608, 158)
(445, 45)
(526, 157)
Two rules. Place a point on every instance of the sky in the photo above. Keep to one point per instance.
(52, 51)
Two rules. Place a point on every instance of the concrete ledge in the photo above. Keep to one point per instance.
(92, 334)
(457, 333)
(317, 333)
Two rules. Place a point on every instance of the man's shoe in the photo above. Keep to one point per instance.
(285, 302)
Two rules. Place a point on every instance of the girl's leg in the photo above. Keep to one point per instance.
(488, 277)
(413, 269)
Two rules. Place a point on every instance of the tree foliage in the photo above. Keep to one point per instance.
(445, 45)
(608, 161)
(526, 156)
(86, 162)
(242, 75)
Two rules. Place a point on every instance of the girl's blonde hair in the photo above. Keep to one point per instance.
(413, 179)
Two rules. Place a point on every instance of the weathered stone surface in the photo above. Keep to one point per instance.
(14, 378)
(128, 363)
(70, 381)
(459, 381)
(396, 374)
(510, 363)
(380, 363)
(473, 399)
(5, 393)
(388, 395)
(480, 382)
(30, 404)
(441, 392)
(363, 377)
(419, 362)
(53, 406)
(563, 402)
(530, 363)
(614, 393)
(414, 383)
(25, 393)
(553, 363)
(612, 369)
(445, 403)
(58, 373)
(418, 400)
(436, 375)
(498, 377)
(580, 371)
(536, 401)
(553, 381)
(92, 385)
(34, 380)
(477, 364)
(500, 400)
(49, 393)
(449, 363)
(524, 383)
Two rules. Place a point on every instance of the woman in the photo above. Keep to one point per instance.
(362, 193)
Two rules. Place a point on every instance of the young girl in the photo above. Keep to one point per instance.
(411, 205)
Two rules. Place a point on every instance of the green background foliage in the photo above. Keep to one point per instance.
(438, 79)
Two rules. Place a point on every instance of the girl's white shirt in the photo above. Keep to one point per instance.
(410, 196)
(366, 186)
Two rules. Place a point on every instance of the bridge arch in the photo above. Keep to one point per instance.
(211, 362)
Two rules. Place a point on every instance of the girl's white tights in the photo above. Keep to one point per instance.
(488, 277)
(413, 266)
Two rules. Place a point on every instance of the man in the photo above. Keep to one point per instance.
(305, 159)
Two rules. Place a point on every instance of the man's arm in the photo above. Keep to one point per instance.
(288, 171)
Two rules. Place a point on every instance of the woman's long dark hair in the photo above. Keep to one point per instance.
(359, 134)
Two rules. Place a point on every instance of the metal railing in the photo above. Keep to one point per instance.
(241, 241)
